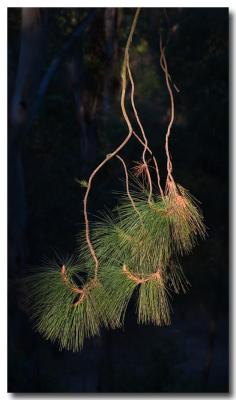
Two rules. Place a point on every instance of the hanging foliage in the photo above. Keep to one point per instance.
(131, 252)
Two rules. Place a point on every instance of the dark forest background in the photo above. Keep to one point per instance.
(64, 117)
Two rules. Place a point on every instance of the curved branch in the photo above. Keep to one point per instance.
(127, 183)
(111, 155)
(164, 67)
(138, 280)
(154, 161)
(142, 130)
(70, 285)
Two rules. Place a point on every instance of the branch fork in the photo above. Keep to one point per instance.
(82, 292)
(139, 280)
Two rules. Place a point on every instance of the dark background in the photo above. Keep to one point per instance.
(62, 122)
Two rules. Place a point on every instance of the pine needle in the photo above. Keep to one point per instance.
(186, 219)
(53, 309)
(153, 303)
(118, 291)
(177, 280)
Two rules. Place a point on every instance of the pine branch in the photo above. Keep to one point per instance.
(54, 308)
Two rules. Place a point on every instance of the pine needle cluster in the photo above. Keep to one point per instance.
(186, 218)
(60, 312)
(137, 248)
(132, 252)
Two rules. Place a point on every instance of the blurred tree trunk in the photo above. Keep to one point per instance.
(85, 109)
(33, 29)
(85, 97)
(112, 21)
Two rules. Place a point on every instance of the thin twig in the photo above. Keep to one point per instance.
(142, 130)
(154, 161)
(72, 287)
(127, 183)
(164, 67)
(138, 280)
(158, 177)
(111, 155)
